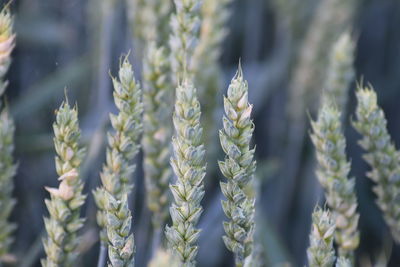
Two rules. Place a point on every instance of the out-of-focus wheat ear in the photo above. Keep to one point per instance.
(205, 65)
(208, 51)
(238, 168)
(157, 125)
(381, 155)
(185, 26)
(149, 20)
(333, 174)
(340, 71)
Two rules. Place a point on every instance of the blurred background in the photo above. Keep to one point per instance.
(74, 44)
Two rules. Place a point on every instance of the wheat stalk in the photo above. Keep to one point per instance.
(333, 171)
(189, 168)
(320, 252)
(381, 155)
(331, 16)
(238, 168)
(65, 201)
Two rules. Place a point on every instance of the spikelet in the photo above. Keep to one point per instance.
(333, 171)
(381, 155)
(238, 168)
(157, 96)
(320, 252)
(65, 201)
(122, 143)
(189, 168)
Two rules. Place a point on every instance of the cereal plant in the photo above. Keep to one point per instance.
(174, 133)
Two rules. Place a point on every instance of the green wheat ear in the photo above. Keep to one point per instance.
(189, 167)
(340, 71)
(333, 171)
(208, 51)
(149, 20)
(381, 155)
(238, 167)
(65, 201)
(320, 253)
(121, 244)
(185, 24)
(122, 143)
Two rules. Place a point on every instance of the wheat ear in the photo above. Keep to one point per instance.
(381, 155)
(333, 172)
(189, 167)
(238, 167)
(65, 201)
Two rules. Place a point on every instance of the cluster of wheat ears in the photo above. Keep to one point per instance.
(165, 107)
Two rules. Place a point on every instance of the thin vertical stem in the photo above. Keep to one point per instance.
(102, 255)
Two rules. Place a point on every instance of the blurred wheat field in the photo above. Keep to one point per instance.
(285, 48)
